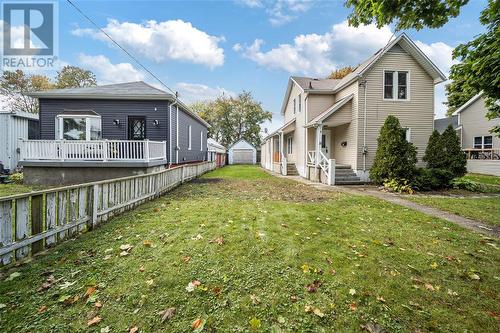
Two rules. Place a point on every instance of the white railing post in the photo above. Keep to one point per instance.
(62, 149)
(331, 172)
(146, 150)
(164, 150)
(22, 147)
(105, 151)
(283, 166)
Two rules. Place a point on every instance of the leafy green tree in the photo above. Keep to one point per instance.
(75, 77)
(341, 72)
(479, 69)
(15, 87)
(233, 118)
(454, 159)
(408, 14)
(434, 151)
(395, 157)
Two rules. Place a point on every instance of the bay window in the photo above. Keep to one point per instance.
(78, 127)
(396, 85)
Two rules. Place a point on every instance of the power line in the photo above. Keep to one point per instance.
(121, 47)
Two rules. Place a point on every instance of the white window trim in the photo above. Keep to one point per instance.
(59, 132)
(294, 106)
(395, 85)
(300, 103)
(482, 141)
(189, 137)
(289, 145)
(201, 141)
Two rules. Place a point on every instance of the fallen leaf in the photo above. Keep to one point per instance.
(94, 321)
(147, 243)
(133, 329)
(494, 315)
(98, 304)
(293, 298)
(255, 299)
(318, 312)
(126, 247)
(380, 299)
(2, 305)
(313, 287)
(67, 284)
(186, 259)
(218, 240)
(150, 282)
(196, 324)
(190, 287)
(217, 291)
(197, 237)
(474, 276)
(352, 291)
(434, 265)
(142, 269)
(254, 323)
(105, 329)
(373, 328)
(305, 268)
(90, 291)
(42, 309)
(429, 286)
(167, 314)
(124, 253)
(13, 276)
(353, 306)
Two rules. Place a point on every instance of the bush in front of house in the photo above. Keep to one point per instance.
(395, 158)
(17, 177)
(454, 158)
(429, 179)
(467, 184)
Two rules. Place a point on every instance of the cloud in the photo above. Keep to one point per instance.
(440, 53)
(107, 72)
(163, 41)
(319, 54)
(280, 12)
(195, 92)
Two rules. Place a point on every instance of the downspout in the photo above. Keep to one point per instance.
(170, 126)
(364, 84)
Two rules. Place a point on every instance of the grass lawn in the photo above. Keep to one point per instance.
(11, 189)
(483, 179)
(485, 209)
(263, 254)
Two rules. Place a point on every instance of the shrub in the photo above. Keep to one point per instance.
(435, 151)
(17, 178)
(466, 184)
(454, 158)
(432, 179)
(398, 185)
(395, 157)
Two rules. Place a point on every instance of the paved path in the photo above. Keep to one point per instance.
(477, 226)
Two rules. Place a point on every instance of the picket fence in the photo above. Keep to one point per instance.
(33, 221)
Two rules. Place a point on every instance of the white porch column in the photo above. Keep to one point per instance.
(331, 172)
(282, 154)
(319, 133)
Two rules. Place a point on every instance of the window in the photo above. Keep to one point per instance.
(300, 103)
(294, 106)
(407, 134)
(323, 141)
(189, 137)
(396, 85)
(289, 145)
(483, 142)
(76, 127)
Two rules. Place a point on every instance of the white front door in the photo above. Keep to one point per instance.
(325, 143)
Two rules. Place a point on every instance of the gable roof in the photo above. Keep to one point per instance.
(440, 125)
(331, 110)
(215, 146)
(468, 103)
(243, 141)
(138, 90)
(333, 86)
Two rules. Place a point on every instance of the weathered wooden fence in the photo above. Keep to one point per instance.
(33, 221)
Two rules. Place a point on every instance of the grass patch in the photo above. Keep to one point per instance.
(11, 189)
(259, 245)
(483, 179)
(485, 209)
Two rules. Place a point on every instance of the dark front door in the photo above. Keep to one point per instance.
(136, 128)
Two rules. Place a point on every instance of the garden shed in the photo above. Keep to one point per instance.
(14, 126)
(242, 152)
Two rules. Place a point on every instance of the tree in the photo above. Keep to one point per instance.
(15, 86)
(232, 119)
(434, 151)
(458, 91)
(479, 69)
(454, 159)
(74, 77)
(408, 14)
(341, 72)
(395, 157)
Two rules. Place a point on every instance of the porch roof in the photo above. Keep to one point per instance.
(328, 112)
(286, 128)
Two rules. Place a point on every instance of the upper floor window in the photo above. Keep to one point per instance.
(201, 141)
(300, 103)
(396, 85)
(189, 137)
(289, 145)
(294, 106)
(483, 142)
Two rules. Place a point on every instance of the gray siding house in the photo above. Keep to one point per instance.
(121, 129)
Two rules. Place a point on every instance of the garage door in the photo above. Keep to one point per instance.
(242, 156)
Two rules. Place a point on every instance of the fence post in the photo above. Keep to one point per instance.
(95, 204)
(182, 174)
(146, 150)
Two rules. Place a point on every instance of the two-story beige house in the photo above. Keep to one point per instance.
(331, 127)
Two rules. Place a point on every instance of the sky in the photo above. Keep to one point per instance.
(205, 48)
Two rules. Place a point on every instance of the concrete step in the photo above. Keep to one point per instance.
(350, 182)
(342, 166)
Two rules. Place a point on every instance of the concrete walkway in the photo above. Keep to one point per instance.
(477, 226)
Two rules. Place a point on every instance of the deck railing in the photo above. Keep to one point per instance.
(34, 221)
(311, 157)
(94, 150)
(318, 159)
(482, 154)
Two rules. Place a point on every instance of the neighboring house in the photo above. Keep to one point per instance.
(13, 127)
(216, 152)
(331, 127)
(481, 146)
(242, 152)
(112, 131)
(442, 124)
